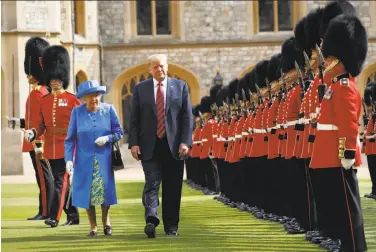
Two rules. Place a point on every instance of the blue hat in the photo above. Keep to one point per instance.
(88, 87)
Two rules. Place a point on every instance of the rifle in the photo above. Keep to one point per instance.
(237, 103)
(269, 88)
(244, 109)
(301, 82)
(202, 119)
(308, 69)
(259, 95)
(322, 86)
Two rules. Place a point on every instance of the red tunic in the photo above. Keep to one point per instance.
(221, 144)
(245, 136)
(292, 111)
(235, 157)
(369, 148)
(196, 143)
(259, 146)
(339, 115)
(303, 148)
(272, 130)
(53, 121)
(207, 139)
(32, 113)
(231, 138)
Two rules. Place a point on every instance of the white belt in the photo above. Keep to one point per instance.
(306, 121)
(370, 137)
(291, 123)
(326, 127)
(259, 131)
(270, 129)
(312, 115)
(279, 126)
(244, 134)
(250, 130)
(231, 138)
(196, 142)
(204, 140)
(214, 136)
(238, 136)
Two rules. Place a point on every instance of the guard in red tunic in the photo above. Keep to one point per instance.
(34, 72)
(369, 136)
(53, 121)
(336, 151)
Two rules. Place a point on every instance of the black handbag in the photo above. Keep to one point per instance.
(117, 162)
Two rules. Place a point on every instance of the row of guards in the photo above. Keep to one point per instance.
(283, 142)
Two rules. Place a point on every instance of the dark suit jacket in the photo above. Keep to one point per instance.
(143, 120)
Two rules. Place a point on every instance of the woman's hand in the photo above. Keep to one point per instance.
(69, 167)
(102, 140)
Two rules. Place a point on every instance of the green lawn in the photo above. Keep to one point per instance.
(206, 225)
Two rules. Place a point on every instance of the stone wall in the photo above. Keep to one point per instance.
(111, 21)
(203, 62)
(215, 20)
(36, 15)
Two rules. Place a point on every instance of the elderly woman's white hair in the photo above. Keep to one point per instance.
(157, 58)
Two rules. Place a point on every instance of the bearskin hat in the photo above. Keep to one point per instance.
(233, 89)
(222, 94)
(213, 92)
(312, 29)
(252, 83)
(261, 73)
(299, 33)
(205, 104)
(273, 73)
(346, 39)
(332, 10)
(33, 55)
(290, 54)
(56, 65)
(245, 84)
(370, 90)
(196, 110)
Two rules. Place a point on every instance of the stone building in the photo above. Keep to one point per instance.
(112, 40)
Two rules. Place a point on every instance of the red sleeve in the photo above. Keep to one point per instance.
(346, 106)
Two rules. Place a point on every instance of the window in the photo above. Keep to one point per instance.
(79, 18)
(274, 16)
(153, 17)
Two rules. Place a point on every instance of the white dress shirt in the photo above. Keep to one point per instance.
(163, 88)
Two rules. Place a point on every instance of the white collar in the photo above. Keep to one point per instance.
(164, 82)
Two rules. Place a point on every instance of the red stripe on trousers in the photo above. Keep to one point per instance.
(348, 210)
(62, 198)
(42, 188)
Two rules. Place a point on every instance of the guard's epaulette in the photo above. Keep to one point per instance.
(344, 82)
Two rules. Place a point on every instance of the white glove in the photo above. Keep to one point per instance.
(13, 122)
(69, 168)
(347, 163)
(102, 140)
(29, 135)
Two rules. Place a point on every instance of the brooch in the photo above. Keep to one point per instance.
(103, 111)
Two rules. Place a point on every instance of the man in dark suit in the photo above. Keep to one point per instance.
(160, 135)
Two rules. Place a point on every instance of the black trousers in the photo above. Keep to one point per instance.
(45, 183)
(62, 188)
(339, 202)
(162, 167)
(221, 164)
(273, 186)
(371, 159)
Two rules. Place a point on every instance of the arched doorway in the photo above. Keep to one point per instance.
(246, 70)
(81, 76)
(367, 75)
(123, 86)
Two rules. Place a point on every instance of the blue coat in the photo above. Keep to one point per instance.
(84, 129)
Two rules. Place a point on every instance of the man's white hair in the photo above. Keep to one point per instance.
(157, 58)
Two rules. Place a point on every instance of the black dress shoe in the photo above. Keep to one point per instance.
(92, 234)
(370, 196)
(107, 230)
(150, 230)
(71, 222)
(37, 217)
(51, 222)
(172, 233)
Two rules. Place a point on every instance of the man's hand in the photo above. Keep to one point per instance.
(69, 167)
(347, 163)
(102, 140)
(13, 122)
(29, 135)
(135, 150)
(183, 150)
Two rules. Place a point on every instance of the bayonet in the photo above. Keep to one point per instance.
(322, 86)
(243, 95)
(269, 88)
(308, 68)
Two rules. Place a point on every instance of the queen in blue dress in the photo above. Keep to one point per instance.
(93, 127)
